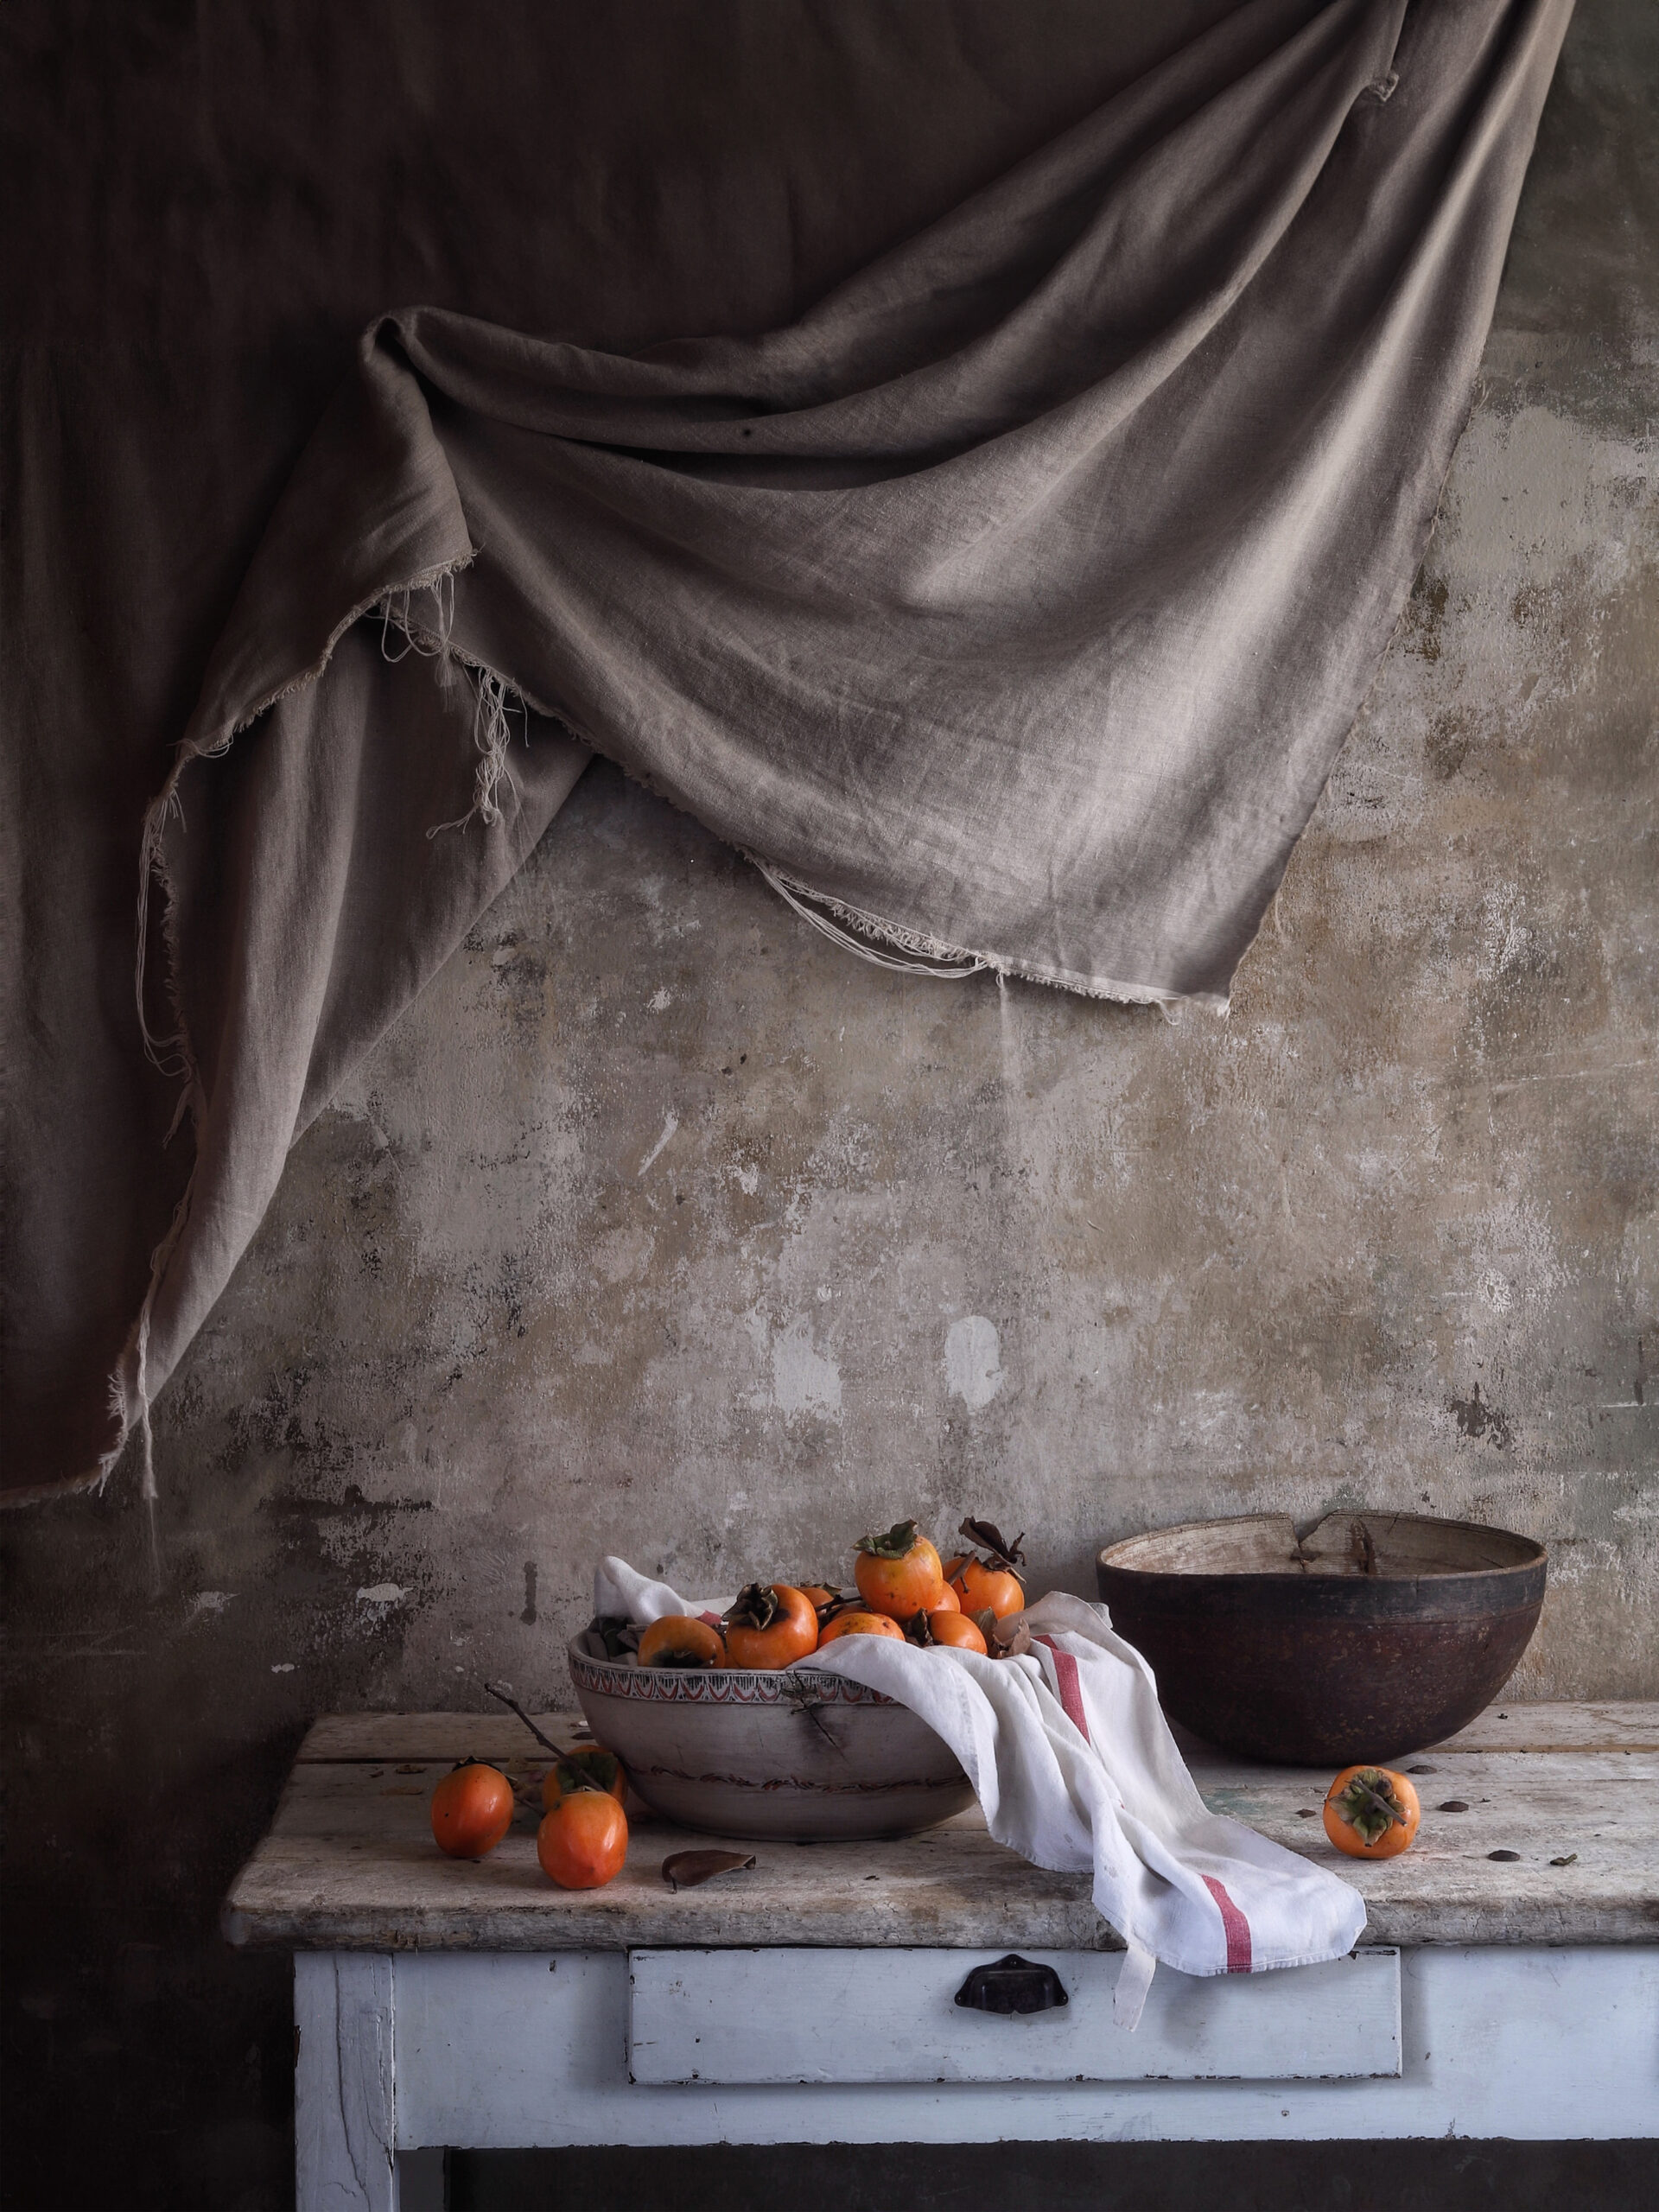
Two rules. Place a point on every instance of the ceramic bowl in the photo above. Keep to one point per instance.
(794, 1754)
(1373, 1635)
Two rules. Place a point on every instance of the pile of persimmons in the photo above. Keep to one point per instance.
(903, 1589)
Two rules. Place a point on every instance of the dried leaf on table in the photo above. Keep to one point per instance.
(684, 1870)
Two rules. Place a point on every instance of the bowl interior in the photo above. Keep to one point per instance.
(1387, 1546)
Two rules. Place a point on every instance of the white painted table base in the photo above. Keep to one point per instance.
(440, 2004)
(400, 2052)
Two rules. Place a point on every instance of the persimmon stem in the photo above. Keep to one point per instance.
(1357, 1793)
(1382, 1804)
(494, 1689)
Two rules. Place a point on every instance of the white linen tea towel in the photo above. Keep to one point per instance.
(1075, 1767)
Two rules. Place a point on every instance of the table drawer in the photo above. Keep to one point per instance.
(731, 2017)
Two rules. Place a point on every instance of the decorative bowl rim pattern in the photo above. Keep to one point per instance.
(785, 1686)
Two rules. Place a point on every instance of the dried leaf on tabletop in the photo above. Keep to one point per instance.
(684, 1870)
(1571, 1860)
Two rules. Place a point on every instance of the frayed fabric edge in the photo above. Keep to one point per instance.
(128, 1382)
(951, 962)
(887, 945)
(495, 696)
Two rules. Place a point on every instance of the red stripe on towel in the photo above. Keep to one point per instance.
(1071, 1687)
(1238, 1929)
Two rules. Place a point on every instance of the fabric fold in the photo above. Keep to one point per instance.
(1012, 603)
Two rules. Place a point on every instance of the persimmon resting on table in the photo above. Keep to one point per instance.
(584, 1839)
(1371, 1812)
(472, 1809)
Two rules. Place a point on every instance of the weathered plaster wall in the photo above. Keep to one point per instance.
(660, 1226)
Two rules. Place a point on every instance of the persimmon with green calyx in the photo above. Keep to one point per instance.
(899, 1572)
(584, 1839)
(1371, 1812)
(472, 1809)
(588, 1767)
(851, 1622)
(771, 1624)
(682, 1640)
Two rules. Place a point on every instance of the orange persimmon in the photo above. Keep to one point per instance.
(588, 1767)
(898, 1571)
(949, 1626)
(771, 1625)
(583, 1840)
(854, 1623)
(1371, 1812)
(983, 1589)
(682, 1640)
(472, 1809)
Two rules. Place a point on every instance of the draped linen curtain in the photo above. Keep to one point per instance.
(1011, 603)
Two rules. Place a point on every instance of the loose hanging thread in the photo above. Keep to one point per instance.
(493, 698)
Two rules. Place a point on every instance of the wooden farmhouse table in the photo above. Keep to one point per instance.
(453, 2002)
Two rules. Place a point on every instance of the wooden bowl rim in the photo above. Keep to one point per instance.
(1530, 1553)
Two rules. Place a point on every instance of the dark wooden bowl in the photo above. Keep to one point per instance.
(1374, 1635)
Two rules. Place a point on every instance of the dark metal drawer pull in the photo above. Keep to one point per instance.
(1012, 1984)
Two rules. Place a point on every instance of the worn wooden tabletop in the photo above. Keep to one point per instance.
(350, 1863)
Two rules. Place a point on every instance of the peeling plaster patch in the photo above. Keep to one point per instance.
(284, 1667)
(803, 1380)
(382, 1593)
(660, 999)
(623, 1255)
(670, 1122)
(748, 1180)
(973, 1367)
(207, 1603)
